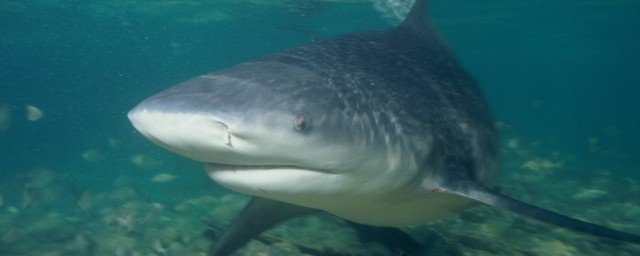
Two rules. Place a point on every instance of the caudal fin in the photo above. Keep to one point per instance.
(475, 191)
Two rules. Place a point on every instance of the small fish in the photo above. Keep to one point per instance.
(33, 113)
(503, 126)
(163, 178)
(93, 155)
(127, 221)
(145, 161)
(160, 247)
(85, 201)
(40, 177)
(542, 164)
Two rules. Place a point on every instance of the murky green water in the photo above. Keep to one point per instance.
(75, 179)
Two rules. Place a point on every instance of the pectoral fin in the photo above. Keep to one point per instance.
(259, 215)
(475, 191)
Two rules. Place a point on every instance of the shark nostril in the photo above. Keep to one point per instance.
(228, 134)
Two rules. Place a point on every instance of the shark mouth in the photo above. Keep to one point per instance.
(218, 167)
(271, 181)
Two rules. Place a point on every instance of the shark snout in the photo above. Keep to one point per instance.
(188, 134)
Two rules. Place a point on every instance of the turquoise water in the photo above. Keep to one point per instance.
(562, 80)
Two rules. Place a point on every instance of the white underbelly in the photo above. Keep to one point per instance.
(399, 213)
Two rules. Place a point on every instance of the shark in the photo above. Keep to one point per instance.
(383, 128)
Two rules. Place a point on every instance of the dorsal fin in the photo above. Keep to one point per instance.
(418, 17)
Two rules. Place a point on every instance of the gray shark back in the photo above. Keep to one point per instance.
(408, 82)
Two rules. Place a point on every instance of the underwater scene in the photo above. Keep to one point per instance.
(562, 79)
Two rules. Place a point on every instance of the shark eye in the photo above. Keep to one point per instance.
(302, 123)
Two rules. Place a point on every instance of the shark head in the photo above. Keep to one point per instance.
(277, 131)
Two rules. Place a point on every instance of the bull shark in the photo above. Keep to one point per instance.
(383, 128)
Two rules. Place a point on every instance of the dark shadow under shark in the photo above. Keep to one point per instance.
(463, 147)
